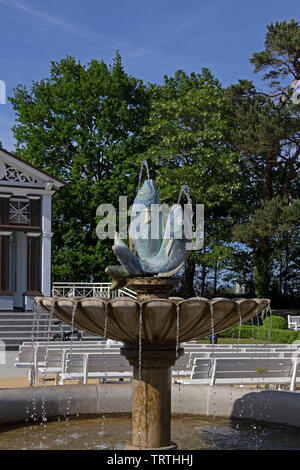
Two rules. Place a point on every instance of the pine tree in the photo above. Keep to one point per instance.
(266, 129)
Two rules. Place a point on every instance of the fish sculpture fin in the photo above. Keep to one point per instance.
(131, 244)
(171, 273)
(168, 247)
(128, 260)
(119, 276)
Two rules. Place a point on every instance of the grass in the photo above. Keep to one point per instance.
(237, 341)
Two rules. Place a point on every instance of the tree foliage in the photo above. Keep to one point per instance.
(266, 130)
(189, 128)
(83, 124)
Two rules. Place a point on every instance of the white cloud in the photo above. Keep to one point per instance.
(54, 21)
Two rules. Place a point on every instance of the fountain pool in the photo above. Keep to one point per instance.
(113, 433)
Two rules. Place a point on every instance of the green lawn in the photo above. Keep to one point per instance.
(237, 341)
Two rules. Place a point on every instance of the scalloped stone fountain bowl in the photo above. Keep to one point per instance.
(164, 321)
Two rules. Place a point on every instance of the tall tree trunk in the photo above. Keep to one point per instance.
(203, 280)
(272, 155)
(262, 269)
(189, 279)
(262, 256)
(215, 277)
(286, 263)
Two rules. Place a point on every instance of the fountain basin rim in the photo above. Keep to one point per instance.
(164, 321)
(270, 406)
(77, 299)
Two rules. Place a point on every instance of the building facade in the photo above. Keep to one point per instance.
(25, 232)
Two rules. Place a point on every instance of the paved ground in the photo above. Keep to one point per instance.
(10, 375)
(9, 369)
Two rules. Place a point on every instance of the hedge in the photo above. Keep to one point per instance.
(275, 335)
(277, 322)
(246, 331)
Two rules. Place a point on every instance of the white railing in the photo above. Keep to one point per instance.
(293, 323)
(89, 289)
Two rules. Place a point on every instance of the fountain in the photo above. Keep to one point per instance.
(152, 326)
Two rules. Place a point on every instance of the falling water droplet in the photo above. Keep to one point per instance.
(140, 340)
(105, 320)
(185, 190)
(212, 326)
(177, 331)
(47, 333)
(240, 324)
(178, 364)
(106, 373)
(68, 405)
(140, 364)
(143, 164)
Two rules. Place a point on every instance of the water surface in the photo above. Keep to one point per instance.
(112, 433)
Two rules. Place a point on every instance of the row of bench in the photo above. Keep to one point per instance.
(79, 361)
(93, 359)
(241, 371)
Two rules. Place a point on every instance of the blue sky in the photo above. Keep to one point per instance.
(154, 38)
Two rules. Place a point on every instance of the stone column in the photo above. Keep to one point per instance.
(46, 245)
(151, 403)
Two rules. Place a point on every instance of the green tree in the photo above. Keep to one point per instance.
(278, 220)
(83, 124)
(280, 58)
(266, 131)
(189, 127)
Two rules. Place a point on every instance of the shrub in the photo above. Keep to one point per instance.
(275, 335)
(276, 322)
(283, 336)
(246, 331)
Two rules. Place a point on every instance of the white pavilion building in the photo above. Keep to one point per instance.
(25, 232)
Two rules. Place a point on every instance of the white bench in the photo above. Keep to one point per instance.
(293, 322)
(100, 365)
(55, 360)
(106, 366)
(245, 353)
(49, 358)
(204, 346)
(240, 371)
(33, 355)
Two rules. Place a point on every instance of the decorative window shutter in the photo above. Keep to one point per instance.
(4, 263)
(4, 211)
(35, 212)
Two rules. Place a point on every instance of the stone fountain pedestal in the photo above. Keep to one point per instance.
(152, 377)
(148, 288)
(151, 388)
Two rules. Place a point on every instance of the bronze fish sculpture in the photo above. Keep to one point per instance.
(161, 256)
(142, 238)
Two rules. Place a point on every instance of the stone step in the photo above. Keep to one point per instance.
(24, 334)
(13, 344)
(17, 327)
(22, 317)
(28, 329)
(27, 319)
